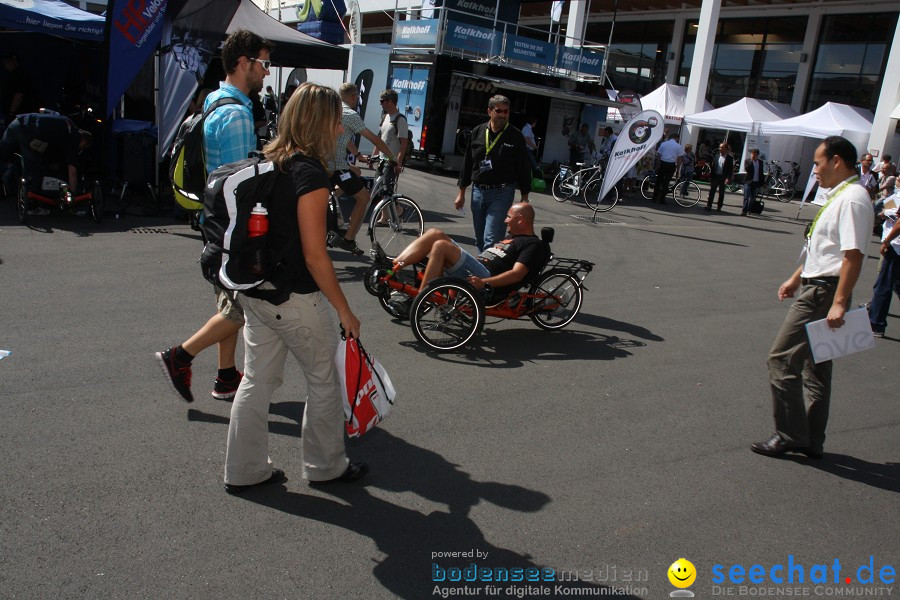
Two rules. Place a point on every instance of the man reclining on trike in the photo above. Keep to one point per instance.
(502, 268)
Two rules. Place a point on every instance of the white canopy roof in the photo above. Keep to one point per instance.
(742, 115)
(668, 100)
(832, 118)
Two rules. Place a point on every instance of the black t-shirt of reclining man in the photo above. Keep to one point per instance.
(526, 249)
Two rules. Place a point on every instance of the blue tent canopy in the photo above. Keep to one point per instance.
(52, 17)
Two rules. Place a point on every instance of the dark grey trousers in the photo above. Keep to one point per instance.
(791, 368)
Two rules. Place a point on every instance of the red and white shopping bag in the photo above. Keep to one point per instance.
(366, 389)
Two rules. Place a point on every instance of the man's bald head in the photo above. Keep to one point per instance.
(525, 210)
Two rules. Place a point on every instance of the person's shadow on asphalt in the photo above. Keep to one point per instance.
(409, 537)
(882, 476)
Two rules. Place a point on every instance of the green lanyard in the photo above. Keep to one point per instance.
(489, 147)
(837, 193)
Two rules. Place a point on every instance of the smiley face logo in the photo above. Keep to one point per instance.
(682, 573)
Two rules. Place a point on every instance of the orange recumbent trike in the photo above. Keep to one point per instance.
(54, 191)
(449, 312)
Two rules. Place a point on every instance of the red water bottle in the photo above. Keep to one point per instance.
(258, 226)
(259, 221)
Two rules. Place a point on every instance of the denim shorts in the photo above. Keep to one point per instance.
(467, 265)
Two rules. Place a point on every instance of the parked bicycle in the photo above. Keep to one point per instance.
(585, 183)
(779, 186)
(395, 220)
(684, 191)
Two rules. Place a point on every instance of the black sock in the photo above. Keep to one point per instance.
(228, 374)
(182, 355)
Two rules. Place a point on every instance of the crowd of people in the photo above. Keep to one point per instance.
(315, 154)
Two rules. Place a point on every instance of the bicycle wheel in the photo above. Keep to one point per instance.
(789, 190)
(691, 198)
(558, 301)
(22, 202)
(563, 187)
(647, 186)
(97, 204)
(447, 314)
(779, 192)
(395, 222)
(592, 197)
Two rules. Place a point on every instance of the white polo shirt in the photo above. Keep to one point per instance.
(844, 224)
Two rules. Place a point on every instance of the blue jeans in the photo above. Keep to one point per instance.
(888, 282)
(489, 208)
(750, 190)
(687, 175)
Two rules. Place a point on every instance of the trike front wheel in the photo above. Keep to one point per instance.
(395, 223)
(447, 314)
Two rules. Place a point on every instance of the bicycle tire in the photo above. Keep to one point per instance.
(789, 190)
(690, 199)
(393, 229)
(563, 188)
(648, 185)
(592, 197)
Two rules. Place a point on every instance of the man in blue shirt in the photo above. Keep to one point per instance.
(228, 136)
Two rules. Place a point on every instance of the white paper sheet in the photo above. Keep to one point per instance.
(854, 336)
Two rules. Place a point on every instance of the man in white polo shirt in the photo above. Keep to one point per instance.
(670, 154)
(833, 258)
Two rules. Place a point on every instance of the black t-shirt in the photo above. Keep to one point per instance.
(526, 249)
(303, 175)
(57, 130)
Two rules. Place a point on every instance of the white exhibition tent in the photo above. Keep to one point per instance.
(668, 100)
(743, 115)
(831, 118)
(850, 122)
(747, 115)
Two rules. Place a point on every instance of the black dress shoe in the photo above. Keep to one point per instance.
(354, 471)
(277, 477)
(708, 209)
(775, 446)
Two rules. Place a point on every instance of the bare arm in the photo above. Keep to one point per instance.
(73, 179)
(850, 268)
(311, 214)
(377, 141)
(511, 277)
(787, 289)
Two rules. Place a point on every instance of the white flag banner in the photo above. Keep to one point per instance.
(637, 138)
(556, 11)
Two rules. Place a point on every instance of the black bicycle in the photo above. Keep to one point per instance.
(684, 191)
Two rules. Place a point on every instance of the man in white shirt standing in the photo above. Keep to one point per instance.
(833, 258)
(670, 153)
(530, 141)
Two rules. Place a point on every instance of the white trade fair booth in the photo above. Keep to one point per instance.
(668, 100)
(850, 122)
(747, 115)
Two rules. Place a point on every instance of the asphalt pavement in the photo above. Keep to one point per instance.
(606, 450)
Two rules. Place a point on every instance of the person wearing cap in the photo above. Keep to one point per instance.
(34, 134)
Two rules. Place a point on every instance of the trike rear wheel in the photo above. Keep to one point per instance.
(558, 300)
(447, 314)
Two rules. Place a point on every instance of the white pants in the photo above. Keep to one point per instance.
(303, 326)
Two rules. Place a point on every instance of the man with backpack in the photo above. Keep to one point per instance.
(394, 132)
(228, 136)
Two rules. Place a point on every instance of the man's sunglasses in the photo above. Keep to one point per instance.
(501, 111)
(265, 63)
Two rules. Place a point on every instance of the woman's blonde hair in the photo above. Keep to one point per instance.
(307, 125)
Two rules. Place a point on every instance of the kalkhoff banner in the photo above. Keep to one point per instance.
(637, 138)
(135, 28)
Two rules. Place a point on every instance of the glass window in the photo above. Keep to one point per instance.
(752, 57)
(851, 59)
